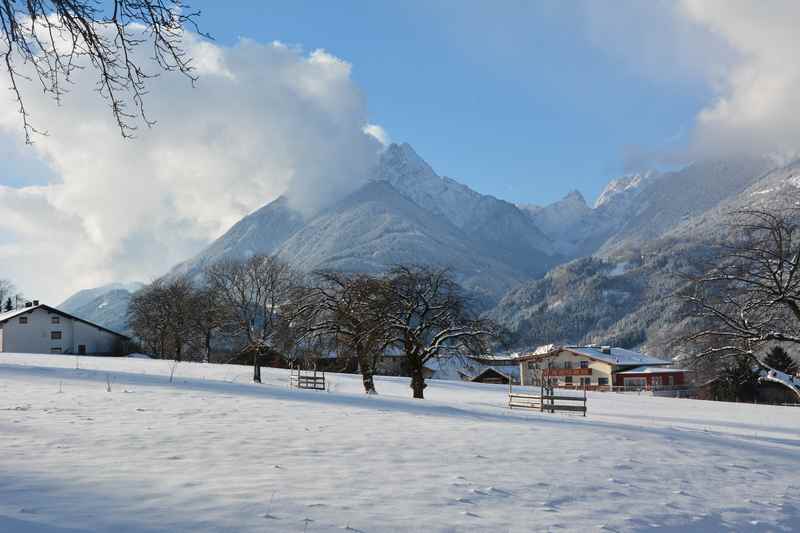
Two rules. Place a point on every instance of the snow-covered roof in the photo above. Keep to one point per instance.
(607, 354)
(15, 312)
(652, 370)
(786, 380)
(490, 369)
(4, 317)
(617, 356)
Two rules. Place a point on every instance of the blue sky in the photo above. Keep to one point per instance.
(513, 98)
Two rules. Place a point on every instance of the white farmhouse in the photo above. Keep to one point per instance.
(39, 328)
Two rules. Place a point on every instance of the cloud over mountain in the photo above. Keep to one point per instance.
(264, 120)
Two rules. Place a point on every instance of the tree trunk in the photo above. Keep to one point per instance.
(417, 381)
(256, 368)
(367, 373)
(208, 346)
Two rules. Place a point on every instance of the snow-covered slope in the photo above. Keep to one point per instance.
(406, 213)
(377, 227)
(639, 208)
(212, 452)
(498, 224)
(624, 294)
(261, 232)
(106, 305)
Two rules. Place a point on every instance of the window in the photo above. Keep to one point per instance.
(55, 349)
(586, 381)
(602, 381)
(23, 320)
(584, 364)
(568, 380)
(81, 349)
(567, 364)
(55, 319)
(55, 335)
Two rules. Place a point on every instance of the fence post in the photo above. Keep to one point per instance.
(584, 401)
(541, 395)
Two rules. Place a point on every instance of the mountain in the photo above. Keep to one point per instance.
(106, 305)
(623, 295)
(261, 232)
(405, 214)
(635, 209)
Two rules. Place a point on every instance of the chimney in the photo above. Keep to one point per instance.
(28, 304)
(606, 349)
(36, 302)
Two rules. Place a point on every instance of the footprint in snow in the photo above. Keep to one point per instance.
(268, 516)
(478, 491)
(499, 491)
(465, 500)
(470, 514)
(310, 505)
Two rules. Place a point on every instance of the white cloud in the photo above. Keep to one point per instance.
(743, 51)
(755, 108)
(264, 120)
(378, 132)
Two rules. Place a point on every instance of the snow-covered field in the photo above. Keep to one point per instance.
(213, 452)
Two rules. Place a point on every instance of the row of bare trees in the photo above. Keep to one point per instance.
(261, 307)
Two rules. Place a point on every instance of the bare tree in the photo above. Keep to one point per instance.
(209, 316)
(256, 293)
(428, 316)
(49, 40)
(749, 294)
(7, 291)
(349, 308)
(164, 316)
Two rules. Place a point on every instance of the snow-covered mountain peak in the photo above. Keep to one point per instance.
(400, 161)
(625, 185)
(574, 198)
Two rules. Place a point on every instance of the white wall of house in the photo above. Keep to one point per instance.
(42, 331)
(600, 371)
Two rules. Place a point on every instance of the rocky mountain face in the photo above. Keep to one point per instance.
(405, 214)
(624, 294)
(106, 305)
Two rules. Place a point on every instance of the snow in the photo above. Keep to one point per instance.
(618, 356)
(213, 452)
(791, 382)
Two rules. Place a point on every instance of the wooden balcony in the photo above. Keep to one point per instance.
(550, 372)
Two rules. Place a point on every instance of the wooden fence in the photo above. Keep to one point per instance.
(306, 379)
(547, 401)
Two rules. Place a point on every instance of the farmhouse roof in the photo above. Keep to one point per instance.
(8, 315)
(488, 370)
(606, 354)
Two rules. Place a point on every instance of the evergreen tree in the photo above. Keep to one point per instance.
(9, 306)
(737, 382)
(778, 359)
